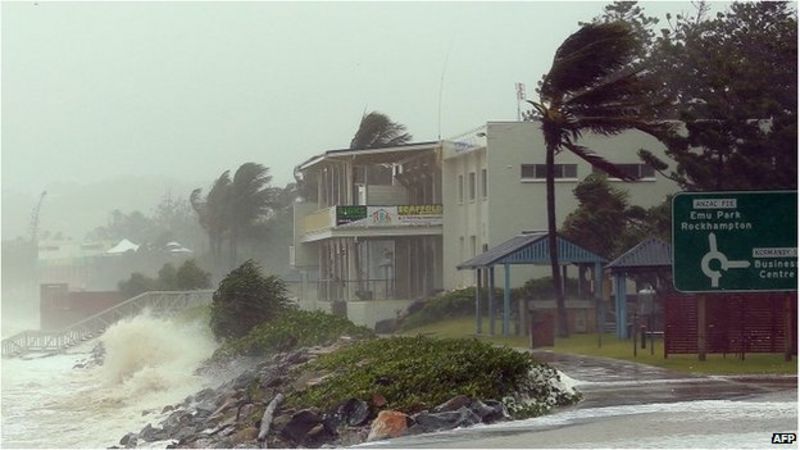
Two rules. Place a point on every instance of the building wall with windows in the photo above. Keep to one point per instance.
(506, 161)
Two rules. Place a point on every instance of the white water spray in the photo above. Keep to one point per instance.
(149, 363)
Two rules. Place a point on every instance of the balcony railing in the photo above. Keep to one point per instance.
(363, 216)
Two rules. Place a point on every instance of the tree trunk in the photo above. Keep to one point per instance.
(563, 330)
(234, 245)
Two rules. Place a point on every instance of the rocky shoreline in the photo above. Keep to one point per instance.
(248, 411)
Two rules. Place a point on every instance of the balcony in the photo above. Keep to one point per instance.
(372, 221)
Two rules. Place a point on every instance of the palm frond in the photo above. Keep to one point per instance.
(587, 56)
(377, 130)
(598, 161)
(609, 126)
(625, 86)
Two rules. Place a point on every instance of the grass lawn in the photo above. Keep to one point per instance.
(587, 344)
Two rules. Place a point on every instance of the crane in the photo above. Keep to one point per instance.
(35, 219)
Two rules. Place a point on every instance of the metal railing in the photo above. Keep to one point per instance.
(163, 302)
(367, 289)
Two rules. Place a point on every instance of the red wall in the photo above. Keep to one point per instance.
(60, 308)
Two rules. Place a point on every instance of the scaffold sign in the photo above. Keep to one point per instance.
(734, 241)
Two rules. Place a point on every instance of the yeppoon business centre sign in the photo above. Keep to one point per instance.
(734, 241)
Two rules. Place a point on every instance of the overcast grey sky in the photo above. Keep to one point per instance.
(92, 91)
(95, 90)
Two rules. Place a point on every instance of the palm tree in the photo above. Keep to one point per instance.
(250, 198)
(377, 130)
(212, 212)
(593, 85)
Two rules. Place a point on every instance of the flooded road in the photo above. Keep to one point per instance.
(629, 405)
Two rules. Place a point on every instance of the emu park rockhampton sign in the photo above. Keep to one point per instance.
(734, 241)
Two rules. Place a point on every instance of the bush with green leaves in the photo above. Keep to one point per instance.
(292, 329)
(416, 373)
(245, 299)
(542, 289)
(447, 305)
(189, 276)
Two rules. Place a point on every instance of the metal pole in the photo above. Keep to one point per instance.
(507, 299)
(491, 300)
(701, 327)
(478, 325)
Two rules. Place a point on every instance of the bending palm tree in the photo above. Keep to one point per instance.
(250, 198)
(377, 130)
(590, 87)
(212, 213)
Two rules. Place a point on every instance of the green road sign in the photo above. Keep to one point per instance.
(734, 241)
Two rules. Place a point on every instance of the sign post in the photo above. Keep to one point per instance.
(735, 242)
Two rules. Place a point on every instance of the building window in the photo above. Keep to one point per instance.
(461, 189)
(461, 248)
(473, 243)
(633, 170)
(484, 184)
(472, 186)
(539, 171)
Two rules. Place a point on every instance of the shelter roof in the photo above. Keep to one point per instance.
(531, 248)
(651, 253)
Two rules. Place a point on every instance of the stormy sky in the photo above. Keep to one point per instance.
(96, 92)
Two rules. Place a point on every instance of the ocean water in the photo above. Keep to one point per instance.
(149, 363)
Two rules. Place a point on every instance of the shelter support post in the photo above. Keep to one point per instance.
(491, 300)
(478, 324)
(506, 299)
(620, 297)
(599, 303)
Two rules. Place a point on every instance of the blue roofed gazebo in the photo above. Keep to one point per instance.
(527, 248)
(649, 256)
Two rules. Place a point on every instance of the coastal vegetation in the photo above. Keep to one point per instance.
(418, 373)
(244, 299)
(187, 277)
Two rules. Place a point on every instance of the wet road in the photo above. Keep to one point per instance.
(629, 405)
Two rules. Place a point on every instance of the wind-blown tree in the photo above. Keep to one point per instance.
(733, 82)
(377, 130)
(593, 86)
(250, 199)
(213, 212)
(601, 216)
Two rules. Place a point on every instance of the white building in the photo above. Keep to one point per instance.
(495, 187)
(386, 226)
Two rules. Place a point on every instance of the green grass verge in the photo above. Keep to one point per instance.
(587, 344)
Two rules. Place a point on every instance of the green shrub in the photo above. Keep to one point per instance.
(292, 329)
(415, 373)
(244, 299)
(542, 289)
(190, 276)
(446, 305)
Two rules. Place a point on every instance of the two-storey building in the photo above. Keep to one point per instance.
(494, 187)
(369, 232)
